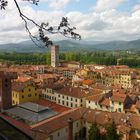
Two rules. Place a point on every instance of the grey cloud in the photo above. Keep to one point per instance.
(97, 25)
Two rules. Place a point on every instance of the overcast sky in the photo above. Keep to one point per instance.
(97, 20)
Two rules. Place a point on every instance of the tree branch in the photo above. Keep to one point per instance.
(63, 28)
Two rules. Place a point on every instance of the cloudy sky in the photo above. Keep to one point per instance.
(96, 20)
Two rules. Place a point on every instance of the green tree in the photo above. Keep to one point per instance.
(112, 132)
(94, 132)
(48, 58)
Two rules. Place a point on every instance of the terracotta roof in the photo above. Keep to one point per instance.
(16, 86)
(24, 79)
(88, 82)
(124, 129)
(117, 97)
(57, 122)
(95, 98)
(47, 76)
(54, 106)
(74, 92)
(138, 104)
(105, 102)
(43, 129)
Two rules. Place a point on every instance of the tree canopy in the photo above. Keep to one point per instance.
(111, 132)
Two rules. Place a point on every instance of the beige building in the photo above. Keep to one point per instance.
(113, 103)
(67, 95)
(64, 71)
(118, 77)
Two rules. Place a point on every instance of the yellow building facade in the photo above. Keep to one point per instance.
(27, 93)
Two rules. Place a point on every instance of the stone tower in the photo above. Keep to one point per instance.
(6, 89)
(55, 56)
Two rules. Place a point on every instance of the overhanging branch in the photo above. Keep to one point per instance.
(63, 28)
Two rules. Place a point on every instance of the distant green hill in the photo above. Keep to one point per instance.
(66, 45)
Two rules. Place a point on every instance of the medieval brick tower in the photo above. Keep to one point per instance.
(5, 90)
(55, 56)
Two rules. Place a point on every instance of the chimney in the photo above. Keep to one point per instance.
(70, 131)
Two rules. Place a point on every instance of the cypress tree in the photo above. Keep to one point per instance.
(94, 132)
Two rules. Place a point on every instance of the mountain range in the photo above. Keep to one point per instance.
(69, 45)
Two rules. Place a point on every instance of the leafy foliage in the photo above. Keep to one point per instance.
(86, 58)
(3, 4)
(63, 28)
(94, 132)
(112, 132)
(33, 1)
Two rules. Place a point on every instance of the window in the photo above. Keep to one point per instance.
(112, 102)
(22, 96)
(77, 124)
(120, 103)
(63, 97)
(29, 95)
(75, 100)
(71, 99)
(119, 109)
(71, 105)
(6, 80)
(29, 89)
(58, 134)
(59, 101)
(66, 129)
(35, 94)
(22, 90)
(63, 102)
(67, 103)
(89, 102)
